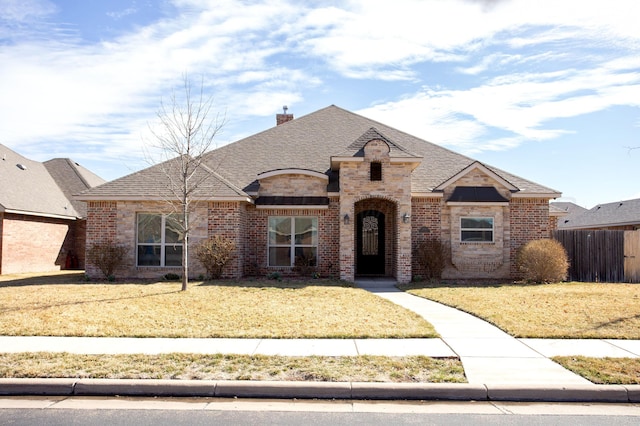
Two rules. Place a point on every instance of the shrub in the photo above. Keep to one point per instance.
(432, 257)
(543, 261)
(304, 266)
(107, 257)
(214, 254)
(171, 277)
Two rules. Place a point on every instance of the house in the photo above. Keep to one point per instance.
(349, 195)
(42, 228)
(619, 215)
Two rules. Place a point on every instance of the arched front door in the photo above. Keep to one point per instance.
(370, 244)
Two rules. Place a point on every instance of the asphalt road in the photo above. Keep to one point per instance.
(206, 411)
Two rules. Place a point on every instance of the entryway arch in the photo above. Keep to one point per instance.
(375, 237)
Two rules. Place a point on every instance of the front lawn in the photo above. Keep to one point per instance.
(251, 309)
(565, 310)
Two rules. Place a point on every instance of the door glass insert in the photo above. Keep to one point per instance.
(370, 236)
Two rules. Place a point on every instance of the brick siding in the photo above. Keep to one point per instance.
(34, 244)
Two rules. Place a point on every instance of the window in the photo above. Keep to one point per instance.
(375, 171)
(476, 229)
(291, 238)
(158, 240)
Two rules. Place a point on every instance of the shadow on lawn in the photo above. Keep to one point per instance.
(285, 283)
(54, 278)
(466, 284)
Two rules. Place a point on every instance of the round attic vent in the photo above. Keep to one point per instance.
(21, 166)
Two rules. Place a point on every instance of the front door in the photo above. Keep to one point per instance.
(370, 244)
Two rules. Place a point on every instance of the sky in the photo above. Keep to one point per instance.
(548, 90)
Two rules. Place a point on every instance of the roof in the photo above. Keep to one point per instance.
(618, 213)
(309, 142)
(72, 179)
(42, 189)
(153, 184)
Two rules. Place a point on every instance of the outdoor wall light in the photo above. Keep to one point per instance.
(405, 218)
(346, 219)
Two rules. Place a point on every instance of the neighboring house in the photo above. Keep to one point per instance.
(619, 215)
(350, 195)
(42, 228)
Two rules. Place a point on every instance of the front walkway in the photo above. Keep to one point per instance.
(489, 355)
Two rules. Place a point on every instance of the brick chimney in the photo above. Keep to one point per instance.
(283, 118)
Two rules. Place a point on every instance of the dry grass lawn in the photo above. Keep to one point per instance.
(605, 371)
(62, 305)
(233, 367)
(565, 310)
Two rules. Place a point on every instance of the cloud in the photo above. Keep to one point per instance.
(465, 69)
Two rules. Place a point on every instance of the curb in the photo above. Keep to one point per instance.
(319, 390)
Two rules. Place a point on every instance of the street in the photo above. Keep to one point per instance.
(200, 411)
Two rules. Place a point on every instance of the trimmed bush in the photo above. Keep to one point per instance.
(432, 257)
(543, 261)
(214, 254)
(107, 257)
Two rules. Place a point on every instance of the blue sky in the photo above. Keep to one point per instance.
(548, 90)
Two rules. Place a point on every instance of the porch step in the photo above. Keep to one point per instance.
(375, 282)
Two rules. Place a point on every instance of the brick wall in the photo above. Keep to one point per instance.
(256, 258)
(293, 185)
(228, 219)
(529, 221)
(34, 244)
(426, 222)
(115, 222)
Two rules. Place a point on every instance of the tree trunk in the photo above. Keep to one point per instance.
(185, 248)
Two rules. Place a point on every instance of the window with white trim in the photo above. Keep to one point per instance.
(476, 229)
(158, 240)
(292, 237)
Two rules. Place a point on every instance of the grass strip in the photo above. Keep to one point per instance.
(414, 369)
(603, 371)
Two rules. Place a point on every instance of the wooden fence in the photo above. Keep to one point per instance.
(602, 256)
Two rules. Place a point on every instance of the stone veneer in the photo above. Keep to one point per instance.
(395, 188)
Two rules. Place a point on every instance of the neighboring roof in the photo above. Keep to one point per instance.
(568, 207)
(477, 194)
(41, 189)
(618, 213)
(309, 142)
(72, 179)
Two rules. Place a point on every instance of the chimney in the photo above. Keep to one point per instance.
(283, 118)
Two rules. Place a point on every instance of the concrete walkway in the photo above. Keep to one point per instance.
(489, 355)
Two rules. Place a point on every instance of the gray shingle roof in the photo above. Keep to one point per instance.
(72, 179)
(618, 213)
(309, 142)
(42, 189)
(154, 183)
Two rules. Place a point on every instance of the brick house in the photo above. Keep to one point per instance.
(42, 227)
(351, 195)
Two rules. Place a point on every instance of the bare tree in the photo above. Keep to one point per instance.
(184, 133)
